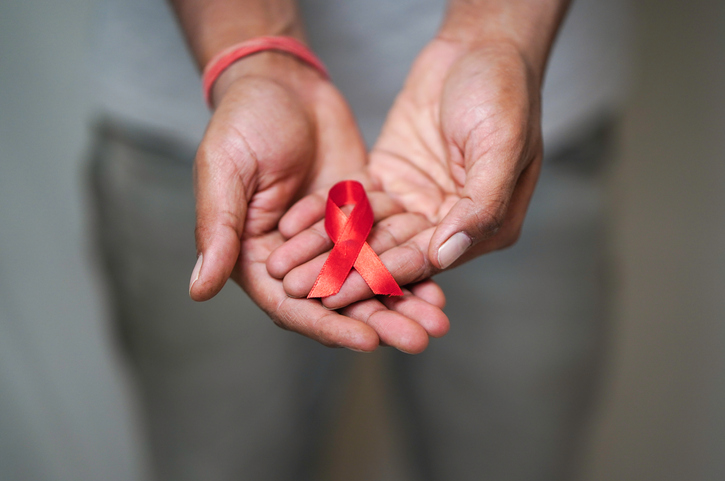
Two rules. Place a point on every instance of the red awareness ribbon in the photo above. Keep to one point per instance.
(349, 235)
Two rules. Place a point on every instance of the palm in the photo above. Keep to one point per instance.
(449, 107)
(264, 149)
(410, 158)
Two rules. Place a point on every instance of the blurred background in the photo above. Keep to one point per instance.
(64, 409)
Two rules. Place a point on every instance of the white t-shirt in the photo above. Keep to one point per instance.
(145, 74)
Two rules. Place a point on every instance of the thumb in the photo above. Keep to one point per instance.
(477, 216)
(221, 209)
(491, 208)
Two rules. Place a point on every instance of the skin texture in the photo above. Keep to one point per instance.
(276, 135)
(449, 179)
(461, 150)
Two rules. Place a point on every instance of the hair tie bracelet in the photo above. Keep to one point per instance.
(227, 57)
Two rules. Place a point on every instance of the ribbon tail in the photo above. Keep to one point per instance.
(376, 275)
(350, 248)
(335, 270)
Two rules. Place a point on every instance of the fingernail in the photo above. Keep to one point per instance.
(453, 248)
(195, 272)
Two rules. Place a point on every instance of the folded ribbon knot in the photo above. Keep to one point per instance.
(349, 235)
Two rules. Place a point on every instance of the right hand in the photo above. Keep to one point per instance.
(281, 132)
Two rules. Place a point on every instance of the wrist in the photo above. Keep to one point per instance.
(496, 51)
(273, 65)
(210, 26)
(525, 27)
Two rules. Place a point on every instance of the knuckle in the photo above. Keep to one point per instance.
(280, 315)
(319, 231)
(279, 323)
(490, 220)
(230, 219)
(320, 327)
(383, 238)
(417, 263)
(223, 220)
(226, 154)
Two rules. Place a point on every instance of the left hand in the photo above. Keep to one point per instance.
(461, 147)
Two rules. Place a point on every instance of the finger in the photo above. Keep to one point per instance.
(314, 241)
(300, 249)
(310, 209)
(428, 316)
(407, 263)
(310, 319)
(303, 214)
(482, 223)
(386, 234)
(221, 208)
(393, 328)
(405, 322)
(430, 292)
(514, 220)
(477, 216)
(305, 316)
(410, 262)
(361, 327)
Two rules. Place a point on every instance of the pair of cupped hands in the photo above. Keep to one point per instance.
(449, 179)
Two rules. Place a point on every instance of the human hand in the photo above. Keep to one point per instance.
(462, 149)
(462, 146)
(280, 132)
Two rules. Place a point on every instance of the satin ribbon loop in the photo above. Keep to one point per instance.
(351, 249)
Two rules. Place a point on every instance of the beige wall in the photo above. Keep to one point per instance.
(663, 415)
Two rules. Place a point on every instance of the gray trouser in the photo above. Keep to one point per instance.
(228, 396)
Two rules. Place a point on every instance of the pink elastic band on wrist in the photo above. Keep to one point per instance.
(227, 57)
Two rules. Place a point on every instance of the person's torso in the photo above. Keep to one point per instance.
(145, 75)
